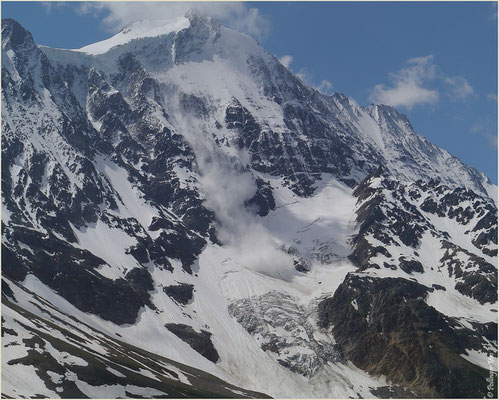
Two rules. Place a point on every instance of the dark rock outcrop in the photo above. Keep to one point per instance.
(384, 326)
(199, 341)
(181, 293)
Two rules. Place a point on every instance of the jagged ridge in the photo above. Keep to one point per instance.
(128, 173)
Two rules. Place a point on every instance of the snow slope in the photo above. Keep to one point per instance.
(177, 190)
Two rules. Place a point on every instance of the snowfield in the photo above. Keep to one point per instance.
(183, 217)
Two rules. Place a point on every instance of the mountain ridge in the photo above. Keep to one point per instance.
(189, 179)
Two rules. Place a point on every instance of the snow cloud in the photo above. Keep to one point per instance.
(492, 97)
(227, 187)
(407, 88)
(286, 60)
(325, 87)
(236, 15)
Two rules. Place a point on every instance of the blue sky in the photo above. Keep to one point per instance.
(434, 61)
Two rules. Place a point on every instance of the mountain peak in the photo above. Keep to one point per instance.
(146, 28)
(384, 112)
(196, 18)
(138, 30)
(184, 178)
(14, 35)
(194, 14)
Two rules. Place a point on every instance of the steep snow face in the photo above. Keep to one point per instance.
(218, 69)
(408, 152)
(137, 30)
(177, 189)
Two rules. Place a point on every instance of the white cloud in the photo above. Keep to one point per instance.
(51, 5)
(248, 20)
(236, 15)
(407, 88)
(305, 76)
(325, 87)
(286, 60)
(487, 130)
(492, 97)
(460, 89)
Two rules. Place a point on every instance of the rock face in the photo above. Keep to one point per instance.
(396, 216)
(182, 293)
(245, 224)
(384, 326)
(199, 341)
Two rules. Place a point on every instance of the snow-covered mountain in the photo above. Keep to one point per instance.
(182, 216)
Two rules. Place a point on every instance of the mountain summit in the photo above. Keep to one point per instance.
(138, 30)
(182, 216)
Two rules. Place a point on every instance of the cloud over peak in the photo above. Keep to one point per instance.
(416, 85)
(237, 15)
(407, 85)
(286, 60)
